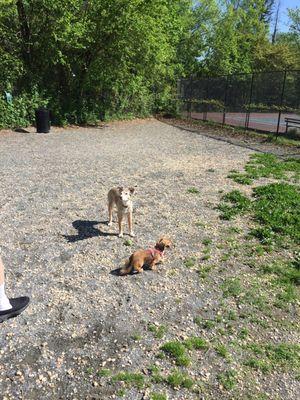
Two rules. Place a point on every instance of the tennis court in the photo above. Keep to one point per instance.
(266, 122)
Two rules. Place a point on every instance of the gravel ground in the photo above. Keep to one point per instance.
(58, 249)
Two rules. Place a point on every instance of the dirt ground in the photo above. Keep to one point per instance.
(58, 249)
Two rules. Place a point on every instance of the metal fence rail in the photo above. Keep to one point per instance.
(259, 101)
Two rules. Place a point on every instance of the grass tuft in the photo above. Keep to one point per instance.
(177, 350)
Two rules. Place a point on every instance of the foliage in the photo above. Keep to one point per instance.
(178, 379)
(267, 166)
(178, 351)
(107, 60)
(227, 379)
(240, 204)
(21, 111)
(129, 378)
(96, 58)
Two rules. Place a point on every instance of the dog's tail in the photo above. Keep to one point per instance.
(127, 267)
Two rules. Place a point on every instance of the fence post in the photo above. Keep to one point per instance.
(225, 100)
(207, 92)
(281, 102)
(250, 100)
(189, 105)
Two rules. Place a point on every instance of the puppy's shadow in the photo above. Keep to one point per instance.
(116, 272)
(86, 230)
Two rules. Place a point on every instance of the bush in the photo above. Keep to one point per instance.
(21, 111)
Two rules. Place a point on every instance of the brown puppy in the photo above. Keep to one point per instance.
(121, 198)
(149, 257)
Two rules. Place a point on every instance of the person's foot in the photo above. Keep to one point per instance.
(17, 306)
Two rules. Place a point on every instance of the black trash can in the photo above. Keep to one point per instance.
(42, 120)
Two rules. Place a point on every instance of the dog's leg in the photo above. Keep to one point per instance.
(120, 222)
(153, 267)
(110, 213)
(131, 233)
(137, 268)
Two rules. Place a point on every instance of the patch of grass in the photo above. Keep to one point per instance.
(104, 372)
(208, 323)
(204, 271)
(90, 370)
(158, 331)
(198, 321)
(233, 229)
(206, 242)
(190, 262)
(257, 298)
(221, 350)
(269, 166)
(121, 393)
(240, 204)
(178, 379)
(205, 257)
(277, 210)
(275, 355)
(156, 376)
(258, 321)
(231, 315)
(243, 333)
(227, 379)
(231, 287)
(287, 296)
(284, 354)
(193, 190)
(225, 257)
(128, 242)
(177, 350)
(196, 343)
(285, 272)
(257, 364)
(136, 336)
(239, 177)
(130, 379)
(158, 396)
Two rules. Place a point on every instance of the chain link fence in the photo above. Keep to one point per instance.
(261, 101)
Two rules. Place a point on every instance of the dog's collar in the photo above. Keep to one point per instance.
(153, 251)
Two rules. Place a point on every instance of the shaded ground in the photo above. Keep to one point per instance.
(59, 250)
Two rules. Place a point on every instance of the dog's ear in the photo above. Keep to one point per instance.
(165, 242)
(120, 189)
(131, 190)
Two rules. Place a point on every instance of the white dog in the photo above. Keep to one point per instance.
(121, 198)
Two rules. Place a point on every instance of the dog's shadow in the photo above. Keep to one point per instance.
(87, 230)
(116, 272)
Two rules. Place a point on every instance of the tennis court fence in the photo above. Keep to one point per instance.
(261, 101)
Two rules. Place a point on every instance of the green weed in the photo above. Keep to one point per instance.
(231, 287)
(104, 372)
(240, 204)
(178, 379)
(221, 350)
(158, 331)
(177, 350)
(193, 190)
(227, 379)
(158, 396)
(196, 343)
(129, 378)
(206, 242)
(190, 262)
